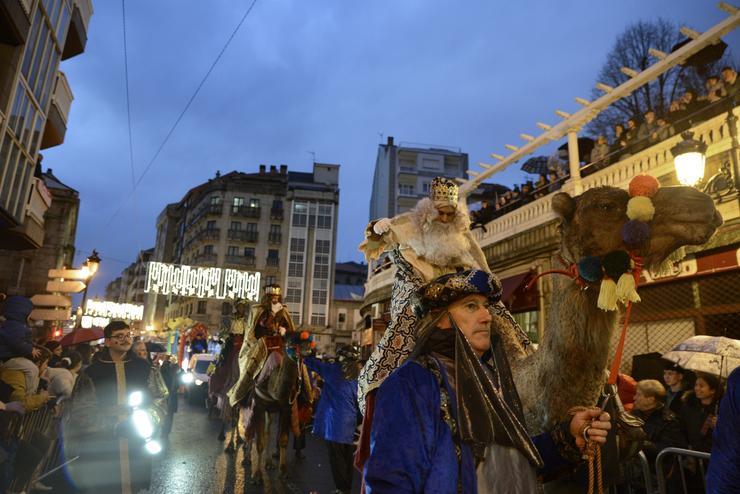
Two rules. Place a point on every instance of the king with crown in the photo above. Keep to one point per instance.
(431, 240)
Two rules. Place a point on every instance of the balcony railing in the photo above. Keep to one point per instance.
(206, 258)
(243, 235)
(275, 238)
(246, 211)
(276, 213)
(241, 260)
(273, 261)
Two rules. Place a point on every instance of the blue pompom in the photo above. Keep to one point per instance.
(589, 268)
(635, 233)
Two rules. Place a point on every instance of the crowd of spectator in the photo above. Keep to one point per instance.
(634, 135)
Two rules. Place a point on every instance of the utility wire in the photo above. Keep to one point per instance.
(128, 97)
(184, 110)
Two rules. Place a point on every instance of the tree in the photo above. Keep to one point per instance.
(631, 50)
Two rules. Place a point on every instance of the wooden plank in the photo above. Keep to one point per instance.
(69, 274)
(51, 314)
(48, 300)
(65, 286)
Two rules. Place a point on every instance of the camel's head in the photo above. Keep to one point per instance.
(592, 222)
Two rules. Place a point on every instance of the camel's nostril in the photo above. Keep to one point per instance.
(717, 219)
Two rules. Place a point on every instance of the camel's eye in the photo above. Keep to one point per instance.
(605, 206)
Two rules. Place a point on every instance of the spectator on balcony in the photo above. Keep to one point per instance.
(664, 130)
(677, 115)
(15, 378)
(599, 155)
(729, 82)
(647, 133)
(540, 186)
(691, 107)
(527, 192)
(631, 144)
(516, 197)
(554, 182)
(714, 89)
(558, 163)
(619, 143)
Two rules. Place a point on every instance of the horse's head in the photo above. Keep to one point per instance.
(299, 343)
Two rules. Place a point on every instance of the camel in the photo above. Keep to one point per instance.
(568, 368)
(275, 391)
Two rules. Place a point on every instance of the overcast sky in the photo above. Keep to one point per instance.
(322, 76)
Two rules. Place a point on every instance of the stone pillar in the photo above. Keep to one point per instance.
(574, 162)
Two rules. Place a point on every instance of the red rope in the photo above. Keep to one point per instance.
(617, 362)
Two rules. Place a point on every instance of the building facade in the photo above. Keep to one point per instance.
(35, 99)
(25, 272)
(403, 174)
(280, 223)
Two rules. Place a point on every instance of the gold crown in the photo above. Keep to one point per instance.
(443, 189)
(272, 290)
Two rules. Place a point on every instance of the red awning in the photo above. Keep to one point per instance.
(516, 297)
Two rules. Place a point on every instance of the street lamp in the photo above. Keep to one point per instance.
(89, 268)
(689, 159)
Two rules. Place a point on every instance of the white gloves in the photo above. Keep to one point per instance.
(382, 226)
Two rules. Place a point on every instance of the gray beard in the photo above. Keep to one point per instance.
(443, 245)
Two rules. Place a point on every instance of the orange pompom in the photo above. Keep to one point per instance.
(305, 335)
(313, 344)
(643, 185)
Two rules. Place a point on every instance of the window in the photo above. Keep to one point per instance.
(296, 316)
(215, 200)
(407, 165)
(319, 292)
(233, 250)
(236, 204)
(321, 260)
(252, 227)
(295, 263)
(425, 187)
(235, 225)
(318, 319)
(225, 309)
(208, 250)
(323, 220)
(274, 229)
(300, 214)
(248, 251)
(273, 254)
(254, 203)
(202, 307)
(270, 280)
(277, 204)
(406, 190)
(293, 292)
(342, 317)
(211, 225)
(430, 163)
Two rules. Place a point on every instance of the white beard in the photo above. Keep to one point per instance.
(441, 244)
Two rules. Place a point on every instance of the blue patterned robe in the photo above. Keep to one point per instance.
(412, 449)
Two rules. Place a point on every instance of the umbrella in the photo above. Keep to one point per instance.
(81, 335)
(154, 347)
(705, 56)
(536, 165)
(714, 355)
(585, 146)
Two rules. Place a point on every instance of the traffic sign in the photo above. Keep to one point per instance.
(45, 300)
(65, 286)
(69, 274)
(51, 314)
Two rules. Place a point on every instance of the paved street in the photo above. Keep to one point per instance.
(195, 462)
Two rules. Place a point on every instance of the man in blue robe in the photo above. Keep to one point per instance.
(449, 420)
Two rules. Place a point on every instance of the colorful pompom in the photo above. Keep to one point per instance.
(643, 185)
(607, 295)
(589, 269)
(640, 208)
(635, 233)
(627, 289)
(616, 263)
(305, 335)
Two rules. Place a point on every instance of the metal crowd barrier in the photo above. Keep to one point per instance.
(32, 430)
(700, 456)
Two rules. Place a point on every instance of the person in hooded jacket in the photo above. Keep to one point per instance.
(16, 342)
(337, 413)
(723, 476)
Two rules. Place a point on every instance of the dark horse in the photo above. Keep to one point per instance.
(276, 389)
(223, 378)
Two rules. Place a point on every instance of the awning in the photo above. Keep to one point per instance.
(516, 297)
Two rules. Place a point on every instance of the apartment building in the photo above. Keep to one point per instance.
(404, 172)
(35, 99)
(253, 222)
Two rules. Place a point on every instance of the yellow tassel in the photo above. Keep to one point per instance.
(626, 289)
(640, 208)
(607, 295)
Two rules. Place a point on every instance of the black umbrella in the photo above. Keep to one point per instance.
(487, 191)
(535, 165)
(705, 56)
(154, 347)
(585, 146)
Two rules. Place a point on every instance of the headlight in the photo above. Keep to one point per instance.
(153, 447)
(143, 423)
(135, 399)
(187, 378)
(198, 382)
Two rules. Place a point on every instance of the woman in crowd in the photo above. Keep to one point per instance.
(699, 412)
(28, 397)
(62, 378)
